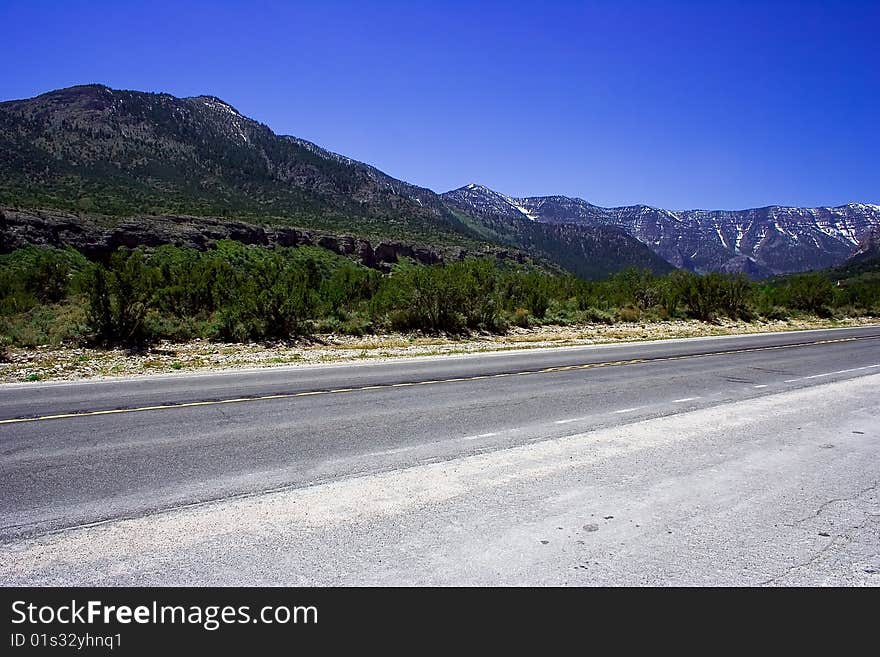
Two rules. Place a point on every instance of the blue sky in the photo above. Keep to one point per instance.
(674, 104)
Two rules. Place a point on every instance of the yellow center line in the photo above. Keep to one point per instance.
(548, 370)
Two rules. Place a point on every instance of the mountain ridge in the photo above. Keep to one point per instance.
(125, 153)
(134, 155)
(761, 242)
(478, 187)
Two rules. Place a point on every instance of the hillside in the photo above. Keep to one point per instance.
(866, 259)
(139, 162)
(104, 151)
(588, 251)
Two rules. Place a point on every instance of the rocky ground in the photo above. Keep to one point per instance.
(49, 363)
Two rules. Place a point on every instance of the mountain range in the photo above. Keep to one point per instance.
(759, 242)
(96, 167)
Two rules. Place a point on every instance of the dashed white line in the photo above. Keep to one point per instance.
(488, 434)
(628, 410)
(569, 420)
(684, 399)
(817, 376)
(763, 385)
(853, 369)
(396, 450)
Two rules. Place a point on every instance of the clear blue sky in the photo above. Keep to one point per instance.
(674, 104)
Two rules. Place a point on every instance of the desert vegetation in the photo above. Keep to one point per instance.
(237, 293)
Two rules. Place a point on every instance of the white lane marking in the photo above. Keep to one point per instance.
(628, 410)
(853, 369)
(482, 435)
(684, 399)
(391, 452)
(570, 420)
(817, 376)
(763, 385)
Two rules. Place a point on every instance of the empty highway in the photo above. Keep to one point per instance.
(465, 469)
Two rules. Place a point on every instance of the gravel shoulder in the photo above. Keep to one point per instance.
(70, 363)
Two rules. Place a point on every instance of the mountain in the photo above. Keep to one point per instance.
(151, 163)
(869, 247)
(142, 168)
(866, 259)
(112, 152)
(589, 251)
(760, 242)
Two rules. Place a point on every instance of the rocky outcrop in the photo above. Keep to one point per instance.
(745, 265)
(97, 239)
(869, 247)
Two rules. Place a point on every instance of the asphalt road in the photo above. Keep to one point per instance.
(219, 450)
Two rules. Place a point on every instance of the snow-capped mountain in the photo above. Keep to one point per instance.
(485, 201)
(759, 241)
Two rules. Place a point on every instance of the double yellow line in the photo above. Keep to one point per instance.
(382, 386)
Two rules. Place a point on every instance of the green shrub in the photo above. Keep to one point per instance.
(241, 293)
(810, 292)
(520, 317)
(276, 299)
(596, 316)
(708, 296)
(119, 298)
(44, 324)
(629, 313)
(36, 275)
(453, 298)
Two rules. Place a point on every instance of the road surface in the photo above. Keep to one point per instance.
(737, 460)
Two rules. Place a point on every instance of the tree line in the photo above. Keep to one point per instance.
(243, 293)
